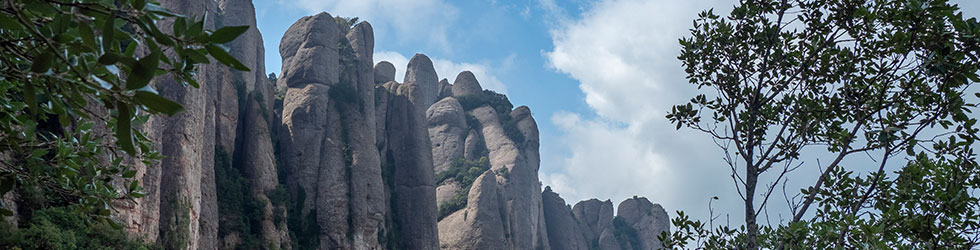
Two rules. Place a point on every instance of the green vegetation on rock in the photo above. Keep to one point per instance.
(62, 228)
(464, 172)
(500, 104)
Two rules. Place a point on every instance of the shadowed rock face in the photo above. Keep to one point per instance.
(648, 219)
(420, 71)
(384, 72)
(595, 218)
(563, 230)
(411, 184)
(327, 137)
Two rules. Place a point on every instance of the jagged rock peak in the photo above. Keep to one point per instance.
(648, 219)
(361, 39)
(421, 72)
(445, 89)
(563, 230)
(466, 84)
(594, 218)
(384, 72)
(309, 51)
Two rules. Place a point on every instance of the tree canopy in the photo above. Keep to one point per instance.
(879, 78)
(74, 85)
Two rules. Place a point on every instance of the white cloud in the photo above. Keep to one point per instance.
(426, 20)
(447, 69)
(623, 54)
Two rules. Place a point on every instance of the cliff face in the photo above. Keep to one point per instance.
(335, 154)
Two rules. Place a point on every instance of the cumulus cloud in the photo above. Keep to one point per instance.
(428, 20)
(623, 54)
(446, 69)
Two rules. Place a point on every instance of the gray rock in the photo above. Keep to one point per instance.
(447, 191)
(474, 146)
(259, 166)
(648, 219)
(327, 141)
(445, 89)
(384, 72)
(466, 84)
(420, 71)
(481, 224)
(563, 230)
(309, 52)
(594, 217)
(410, 155)
(447, 128)
(518, 187)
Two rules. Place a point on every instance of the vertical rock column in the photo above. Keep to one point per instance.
(327, 138)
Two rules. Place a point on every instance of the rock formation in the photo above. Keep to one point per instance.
(338, 155)
(447, 128)
(384, 72)
(420, 71)
(563, 229)
(648, 219)
(466, 84)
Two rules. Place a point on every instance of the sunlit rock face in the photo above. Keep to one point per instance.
(337, 145)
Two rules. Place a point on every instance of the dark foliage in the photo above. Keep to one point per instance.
(63, 228)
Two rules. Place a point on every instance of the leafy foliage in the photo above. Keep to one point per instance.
(346, 23)
(500, 104)
(70, 72)
(62, 228)
(854, 77)
(239, 212)
(464, 172)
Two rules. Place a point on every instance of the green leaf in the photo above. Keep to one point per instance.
(7, 183)
(109, 58)
(143, 71)
(222, 56)
(87, 34)
(42, 63)
(30, 96)
(157, 103)
(108, 30)
(124, 128)
(129, 174)
(6, 212)
(227, 34)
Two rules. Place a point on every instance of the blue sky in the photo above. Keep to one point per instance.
(598, 76)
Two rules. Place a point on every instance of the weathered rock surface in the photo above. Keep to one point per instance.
(563, 230)
(384, 72)
(420, 71)
(518, 189)
(481, 225)
(260, 168)
(447, 191)
(412, 188)
(466, 84)
(474, 146)
(595, 218)
(309, 52)
(648, 219)
(359, 152)
(445, 89)
(328, 137)
(447, 128)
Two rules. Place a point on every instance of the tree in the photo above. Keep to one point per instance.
(856, 77)
(71, 72)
